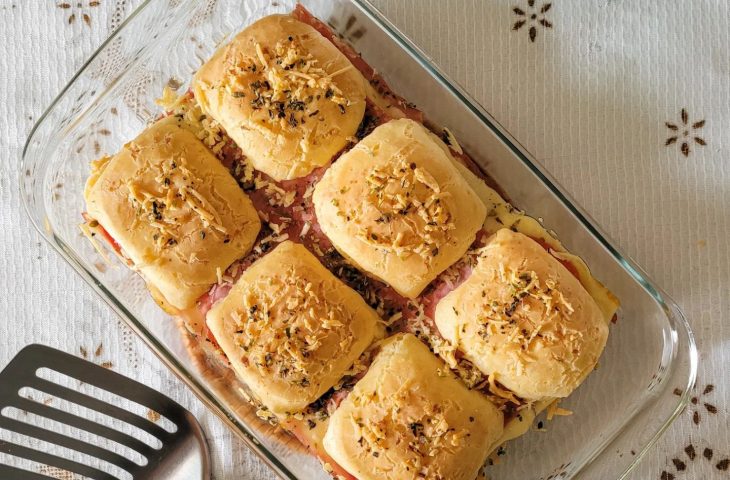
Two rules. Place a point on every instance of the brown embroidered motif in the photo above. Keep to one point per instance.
(690, 451)
(79, 10)
(57, 473)
(92, 137)
(94, 354)
(532, 17)
(203, 12)
(45, 401)
(697, 404)
(353, 31)
(682, 467)
(684, 133)
(152, 416)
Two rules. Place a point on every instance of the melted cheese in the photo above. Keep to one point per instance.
(500, 214)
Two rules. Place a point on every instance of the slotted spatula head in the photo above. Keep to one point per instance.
(180, 451)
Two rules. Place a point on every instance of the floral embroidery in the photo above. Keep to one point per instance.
(111, 60)
(682, 462)
(44, 401)
(352, 30)
(79, 10)
(203, 11)
(91, 138)
(97, 352)
(685, 133)
(696, 403)
(532, 17)
(57, 473)
(153, 416)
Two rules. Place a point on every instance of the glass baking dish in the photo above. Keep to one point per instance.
(650, 361)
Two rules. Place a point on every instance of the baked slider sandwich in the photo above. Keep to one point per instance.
(176, 214)
(409, 417)
(290, 328)
(397, 206)
(524, 320)
(285, 94)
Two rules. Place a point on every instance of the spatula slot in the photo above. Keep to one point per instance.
(59, 428)
(119, 426)
(106, 396)
(50, 454)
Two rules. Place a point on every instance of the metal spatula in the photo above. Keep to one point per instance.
(183, 454)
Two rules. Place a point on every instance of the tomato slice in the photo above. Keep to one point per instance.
(108, 238)
(211, 338)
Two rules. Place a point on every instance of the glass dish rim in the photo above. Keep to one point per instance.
(674, 315)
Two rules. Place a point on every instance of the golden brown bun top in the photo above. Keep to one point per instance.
(287, 96)
(524, 319)
(408, 416)
(290, 328)
(501, 214)
(397, 206)
(177, 213)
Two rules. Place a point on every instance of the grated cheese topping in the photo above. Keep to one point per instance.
(511, 316)
(277, 196)
(427, 434)
(186, 109)
(411, 215)
(289, 80)
(191, 117)
(282, 322)
(554, 410)
(465, 370)
(164, 208)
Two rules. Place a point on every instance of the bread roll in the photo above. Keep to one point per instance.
(176, 212)
(290, 328)
(524, 319)
(397, 206)
(287, 96)
(408, 417)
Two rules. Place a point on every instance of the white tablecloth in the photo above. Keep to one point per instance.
(627, 103)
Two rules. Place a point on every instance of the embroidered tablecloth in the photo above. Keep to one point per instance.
(626, 103)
